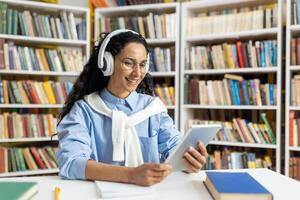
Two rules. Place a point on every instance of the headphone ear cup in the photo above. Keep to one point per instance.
(108, 67)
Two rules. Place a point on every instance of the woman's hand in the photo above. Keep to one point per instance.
(149, 174)
(194, 159)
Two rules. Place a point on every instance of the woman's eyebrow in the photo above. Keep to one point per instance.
(134, 59)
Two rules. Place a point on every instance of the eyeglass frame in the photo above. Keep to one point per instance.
(142, 68)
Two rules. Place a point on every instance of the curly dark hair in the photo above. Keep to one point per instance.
(92, 79)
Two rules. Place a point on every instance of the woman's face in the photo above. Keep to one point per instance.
(129, 70)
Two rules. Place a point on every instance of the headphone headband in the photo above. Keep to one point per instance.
(105, 43)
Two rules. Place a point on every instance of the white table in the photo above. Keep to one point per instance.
(175, 187)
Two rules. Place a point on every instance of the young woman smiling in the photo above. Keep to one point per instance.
(111, 126)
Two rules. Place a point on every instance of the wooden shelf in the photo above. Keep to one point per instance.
(163, 74)
(21, 140)
(31, 105)
(28, 173)
(39, 73)
(234, 107)
(159, 41)
(294, 149)
(41, 40)
(232, 71)
(241, 144)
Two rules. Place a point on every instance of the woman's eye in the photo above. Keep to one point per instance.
(143, 64)
(128, 63)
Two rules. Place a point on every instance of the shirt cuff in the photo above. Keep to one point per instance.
(79, 167)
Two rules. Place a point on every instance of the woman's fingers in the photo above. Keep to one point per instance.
(192, 160)
(190, 167)
(202, 149)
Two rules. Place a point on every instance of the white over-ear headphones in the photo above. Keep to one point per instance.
(106, 59)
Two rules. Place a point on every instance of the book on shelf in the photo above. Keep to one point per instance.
(18, 190)
(235, 185)
(33, 24)
(231, 159)
(232, 20)
(61, 59)
(34, 92)
(150, 26)
(294, 167)
(251, 54)
(162, 59)
(31, 126)
(231, 92)
(295, 12)
(295, 90)
(26, 159)
(294, 129)
(165, 93)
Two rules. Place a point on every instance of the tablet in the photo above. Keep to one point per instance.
(205, 133)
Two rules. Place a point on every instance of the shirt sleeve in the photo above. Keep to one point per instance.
(168, 136)
(74, 144)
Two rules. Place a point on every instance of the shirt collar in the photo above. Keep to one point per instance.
(109, 97)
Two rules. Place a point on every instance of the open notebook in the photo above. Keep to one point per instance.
(113, 190)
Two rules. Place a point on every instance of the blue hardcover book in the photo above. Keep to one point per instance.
(262, 54)
(236, 92)
(235, 185)
(245, 91)
(271, 92)
(231, 89)
(274, 47)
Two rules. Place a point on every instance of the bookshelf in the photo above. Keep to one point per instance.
(213, 34)
(168, 40)
(291, 106)
(46, 41)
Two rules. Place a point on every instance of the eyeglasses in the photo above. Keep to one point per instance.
(129, 64)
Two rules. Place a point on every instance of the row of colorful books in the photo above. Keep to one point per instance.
(151, 26)
(15, 125)
(15, 57)
(294, 168)
(228, 56)
(231, 92)
(34, 92)
(232, 20)
(295, 90)
(162, 59)
(241, 130)
(165, 93)
(28, 23)
(228, 159)
(294, 131)
(29, 158)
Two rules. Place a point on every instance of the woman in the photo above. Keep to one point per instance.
(111, 127)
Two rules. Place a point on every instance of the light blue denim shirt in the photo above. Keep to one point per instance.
(86, 134)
